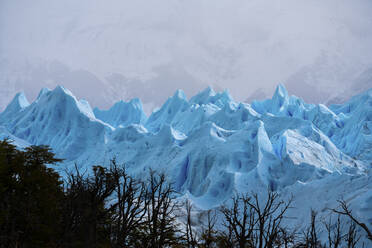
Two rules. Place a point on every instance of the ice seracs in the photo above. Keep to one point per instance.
(169, 112)
(209, 146)
(58, 119)
(123, 113)
(42, 92)
(18, 104)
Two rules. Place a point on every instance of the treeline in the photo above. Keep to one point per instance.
(109, 208)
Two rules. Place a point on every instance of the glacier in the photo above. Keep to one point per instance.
(211, 146)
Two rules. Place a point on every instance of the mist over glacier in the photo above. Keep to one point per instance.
(321, 50)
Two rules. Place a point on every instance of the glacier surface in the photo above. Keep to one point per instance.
(211, 146)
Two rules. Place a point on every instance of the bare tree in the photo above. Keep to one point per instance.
(286, 238)
(208, 237)
(226, 239)
(345, 210)
(337, 235)
(334, 232)
(352, 237)
(311, 239)
(240, 220)
(161, 228)
(254, 224)
(270, 216)
(190, 235)
(129, 208)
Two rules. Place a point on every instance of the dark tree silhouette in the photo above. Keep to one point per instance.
(86, 215)
(31, 196)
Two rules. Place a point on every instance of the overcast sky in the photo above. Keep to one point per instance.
(106, 50)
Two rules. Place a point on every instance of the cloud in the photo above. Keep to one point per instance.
(241, 45)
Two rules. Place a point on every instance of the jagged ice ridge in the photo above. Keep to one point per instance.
(211, 146)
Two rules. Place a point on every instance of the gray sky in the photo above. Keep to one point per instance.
(112, 49)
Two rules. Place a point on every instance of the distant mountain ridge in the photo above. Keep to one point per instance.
(211, 146)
